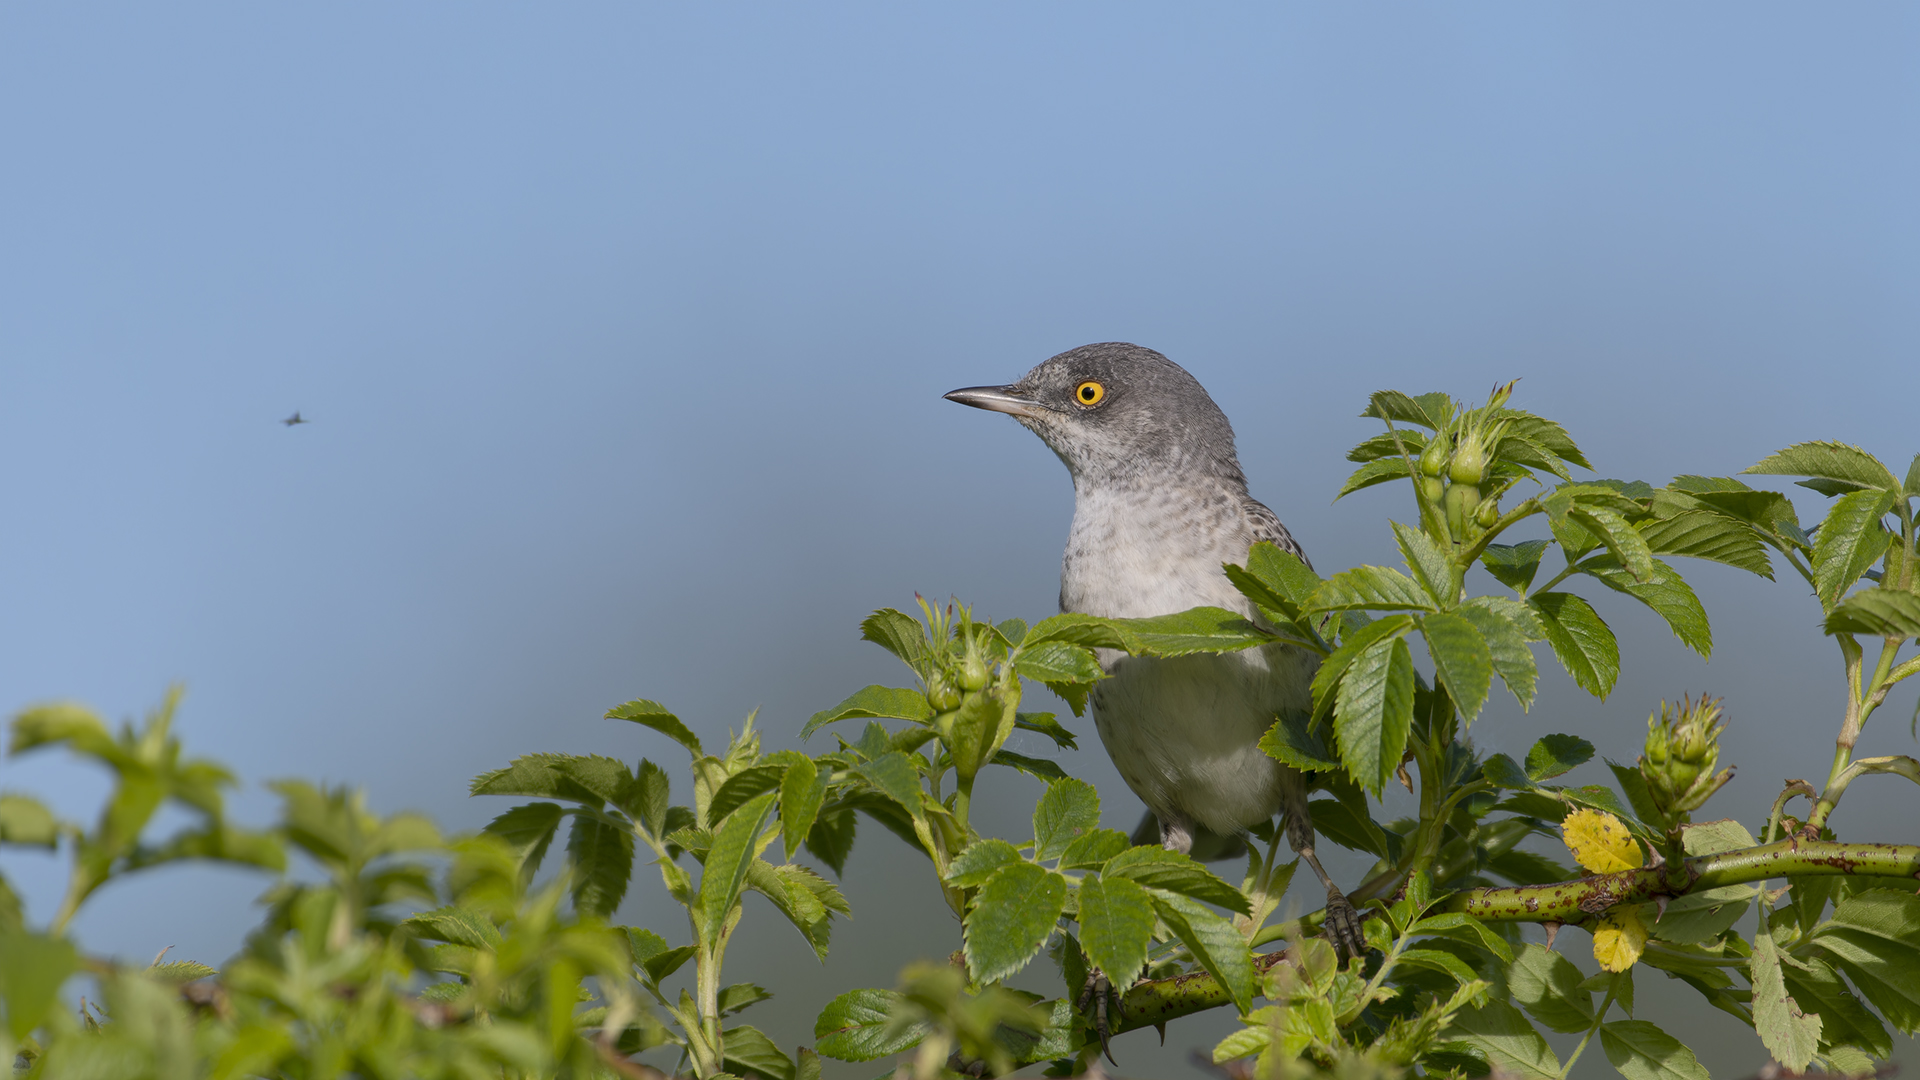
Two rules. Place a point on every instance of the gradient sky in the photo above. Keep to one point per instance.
(622, 330)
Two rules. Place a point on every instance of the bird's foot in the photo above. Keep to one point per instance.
(1097, 996)
(1342, 925)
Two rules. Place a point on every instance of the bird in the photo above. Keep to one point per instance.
(296, 418)
(1160, 505)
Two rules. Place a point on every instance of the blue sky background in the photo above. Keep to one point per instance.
(622, 329)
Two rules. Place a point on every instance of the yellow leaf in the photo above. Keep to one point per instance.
(1601, 842)
(1619, 938)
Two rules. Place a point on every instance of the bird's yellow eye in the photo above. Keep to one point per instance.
(1089, 393)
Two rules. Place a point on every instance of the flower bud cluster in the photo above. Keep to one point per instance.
(974, 705)
(1457, 468)
(1682, 749)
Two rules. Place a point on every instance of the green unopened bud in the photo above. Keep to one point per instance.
(1488, 514)
(1432, 488)
(941, 693)
(1433, 460)
(1462, 501)
(975, 673)
(1469, 464)
(1682, 748)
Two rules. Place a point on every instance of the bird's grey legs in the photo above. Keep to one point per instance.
(1342, 924)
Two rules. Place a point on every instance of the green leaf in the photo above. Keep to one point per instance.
(739, 996)
(1666, 593)
(1045, 724)
(1289, 742)
(1201, 629)
(1581, 639)
(1702, 534)
(1524, 451)
(1621, 538)
(1440, 960)
(1831, 461)
(1374, 712)
(1375, 588)
(534, 775)
(606, 777)
(1844, 1021)
(180, 972)
(1547, 433)
(1557, 754)
(896, 778)
(1789, 1034)
(1069, 808)
(1497, 1030)
(457, 926)
(802, 791)
(1502, 771)
(602, 857)
(750, 1053)
(1430, 411)
(1912, 486)
(1508, 626)
(1157, 868)
(1212, 940)
(1462, 659)
(655, 715)
(831, 838)
(1396, 443)
(1642, 1051)
(1087, 631)
(1514, 565)
(1465, 928)
(740, 788)
(732, 853)
(856, 1026)
(36, 968)
(1875, 938)
(1091, 850)
(873, 702)
(650, 798)
(974, 865)
(804, 897)
(1547, 985)
(1284, 573)
(1879, 612)
(898, 633)
(1116, 922)
(1429, 564)
(1057, 662)
(1379, 471)
(528, 830)
(1334, 668)
(1011, 917)
(1851, 540)
(27, 821)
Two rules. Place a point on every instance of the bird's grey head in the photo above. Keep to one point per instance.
(1116, 412)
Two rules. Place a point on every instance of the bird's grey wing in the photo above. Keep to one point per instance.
(1266, 526)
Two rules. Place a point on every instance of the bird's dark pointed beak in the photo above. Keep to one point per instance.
(997, 399)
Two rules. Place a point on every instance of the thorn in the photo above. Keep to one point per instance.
(1661, 903)
(157, 957)
(1553, 931)
(1162, 1029)
(1406, 781)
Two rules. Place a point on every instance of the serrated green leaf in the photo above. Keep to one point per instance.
(1397, 443)
(1521, 450)
(1047, 725)
(1057, 662)
(1116, 923)
(1068, 809)
(608, 778)
(1497, 1030)
(1378, 471)
(856, 1026)
(1547, 985)
(804, 897)
(1431, 411)
(1439, 960)
(1557, 754)
(1874, 937)
(602, 858)
(1912, 486)
(1201, 629)
(1283, 572)
(1213, 941)
(1462, 659)
(733, 852)
(1371, 588)
(1502, 771)
(1374, 712)
(1642, 1051)
(1333, 670)
(1038, 768)
(898, 633)
(1879, 612)
(896, 778)
(749, 1053)
(533, 775)
(831, 838)
(1703, 534)
(1844, 1021)
(528, 830)
(1090, 851)
(734, 998)
(873, 702)
(1851, 540)
(27, 821)
(802, 792)
(180, 971)
(1581, 639)
(737, 790)
(1465, 928)
(1547, 433)
(1508, 626)
(1010, 919)
(651, 796)
(1289, 742)
(457, 926)
(1666, 593)
(1429, 564)
(1514, 565)
(1171, 871)
(1790, 1034)
(974, 865)
(1831, 461)
(1621, 539)
(654, 715)
(1087, 631)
